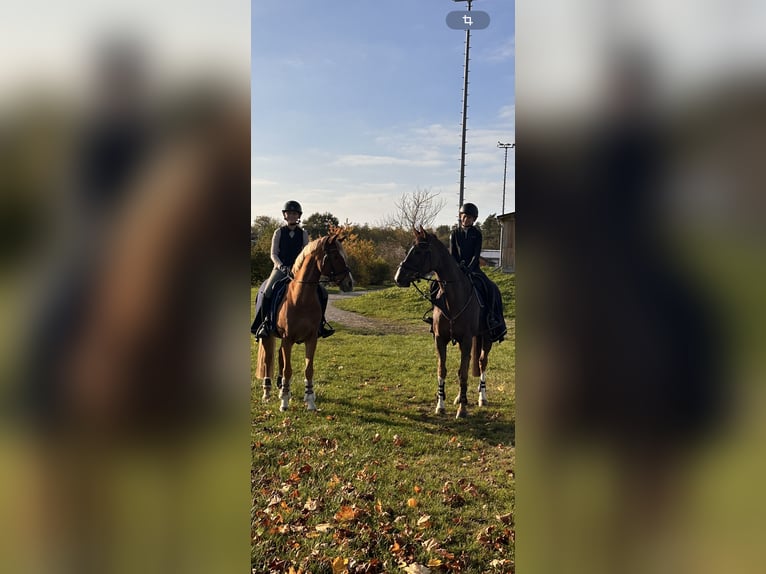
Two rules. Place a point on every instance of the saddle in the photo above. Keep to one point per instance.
(278, 291)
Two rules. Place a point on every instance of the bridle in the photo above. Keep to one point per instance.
(333, 274)
(418, 275)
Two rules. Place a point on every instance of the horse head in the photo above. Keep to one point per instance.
(418, 262)
(334, 264)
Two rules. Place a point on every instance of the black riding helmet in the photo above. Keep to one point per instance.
(470, 209)
(292, 206)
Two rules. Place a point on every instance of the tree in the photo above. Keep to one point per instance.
(443, 232)
(419, 207)
(319, 224)
(490, 231)
(263, 225)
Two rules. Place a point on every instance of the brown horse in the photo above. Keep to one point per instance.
(300, 314)
(456, 314)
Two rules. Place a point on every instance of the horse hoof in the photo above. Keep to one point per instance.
(439, 410)
(266, 396)
(461, 413)
(483, 402)
(310, 404)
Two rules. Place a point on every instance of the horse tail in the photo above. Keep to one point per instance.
(476, 347)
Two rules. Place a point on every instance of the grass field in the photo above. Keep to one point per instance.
(375, 481)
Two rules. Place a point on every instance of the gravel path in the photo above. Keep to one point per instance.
(366, 325)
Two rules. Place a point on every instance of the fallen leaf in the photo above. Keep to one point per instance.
(424, 521)
(339, 565)
(412, 502)
(417, 489)
(376, 438)
(417, 569)
(324, 527)
(347, 513)
(434, 563)
(398, 441)
(505, 518)
(431, 545)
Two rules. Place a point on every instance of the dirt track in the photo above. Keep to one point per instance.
(366, 325)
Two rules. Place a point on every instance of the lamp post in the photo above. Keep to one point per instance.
(505, 168)
(506, 147)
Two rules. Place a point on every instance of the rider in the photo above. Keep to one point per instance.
(286, 244)
(465, 247)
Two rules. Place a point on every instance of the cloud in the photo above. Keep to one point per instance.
(259, 182)
(504, 52)
(363, 160)
(507, 112)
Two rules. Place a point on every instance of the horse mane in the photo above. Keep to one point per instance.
(309, 249)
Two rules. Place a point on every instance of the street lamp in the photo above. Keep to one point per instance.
(504, 146)
(505, 167)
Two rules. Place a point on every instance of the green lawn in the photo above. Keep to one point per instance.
(375, 481)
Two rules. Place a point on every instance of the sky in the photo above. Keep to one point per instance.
(356, 102)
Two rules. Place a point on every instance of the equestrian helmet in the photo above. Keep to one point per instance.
(470, 209)
(292, 206)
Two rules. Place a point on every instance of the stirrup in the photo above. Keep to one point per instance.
(428, 317)
(325, 330)
(263, 331)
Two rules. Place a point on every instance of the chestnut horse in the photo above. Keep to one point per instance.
(300, 314)
(456, 314)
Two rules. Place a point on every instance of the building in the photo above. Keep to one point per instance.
(507, 241)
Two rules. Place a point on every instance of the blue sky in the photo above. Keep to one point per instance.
(355, 102)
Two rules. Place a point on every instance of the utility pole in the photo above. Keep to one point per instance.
(504, 146)
(465, 105)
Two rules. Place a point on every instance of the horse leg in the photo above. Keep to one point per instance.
(284, 394)
(441, 349)
(266, 365)
(465, 360)
(481, 348)
(308, 396)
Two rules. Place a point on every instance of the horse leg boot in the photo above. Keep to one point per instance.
(440, 398)
(266, 390)
(308, 396)
(483, 390)
(284, 395)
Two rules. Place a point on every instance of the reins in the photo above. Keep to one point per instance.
(417, 276)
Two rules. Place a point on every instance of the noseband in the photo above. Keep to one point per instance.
(417, 273)
(333, 274)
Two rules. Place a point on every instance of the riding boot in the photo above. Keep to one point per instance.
(264, 329)
(325, 330)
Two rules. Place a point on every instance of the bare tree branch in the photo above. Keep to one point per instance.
(418, 207)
